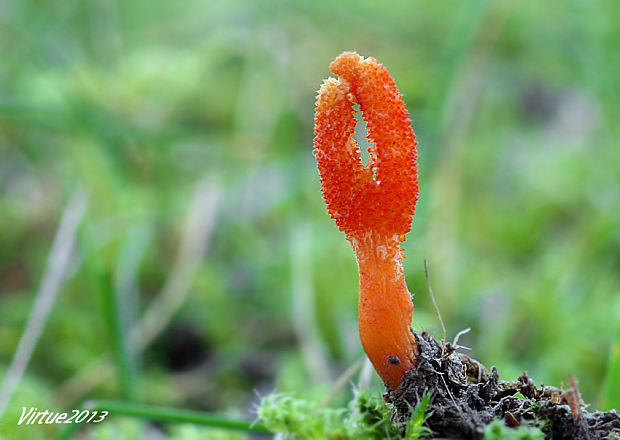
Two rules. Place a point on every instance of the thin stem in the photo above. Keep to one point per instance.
(128, 374)
(102, 284)
(174, 415)
(430, 291)
(57, 263)
(169, 415)
(344, 378)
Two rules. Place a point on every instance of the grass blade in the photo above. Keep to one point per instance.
(102, 284)
(611, 388)
(48, 291)
(167, 415)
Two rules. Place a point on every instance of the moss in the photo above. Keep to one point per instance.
(367, 417)
(496, 430)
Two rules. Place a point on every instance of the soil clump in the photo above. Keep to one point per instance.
(467, 397)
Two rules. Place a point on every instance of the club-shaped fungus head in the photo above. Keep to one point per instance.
(372, 204)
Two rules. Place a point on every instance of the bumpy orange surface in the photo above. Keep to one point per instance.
(372, 203)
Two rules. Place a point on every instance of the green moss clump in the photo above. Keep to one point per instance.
(496, 430)
(367, 417)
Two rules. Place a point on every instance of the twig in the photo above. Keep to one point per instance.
(458, 336)
(450, 393)
(573, 396)
(55, 272)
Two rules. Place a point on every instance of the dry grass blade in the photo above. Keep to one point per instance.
(303, 309)
(197, 232)
(194, 242)
(340, 383)
(57, 263)
(430, 291)
(365, 374)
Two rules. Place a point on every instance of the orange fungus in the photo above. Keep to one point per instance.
(373, 203)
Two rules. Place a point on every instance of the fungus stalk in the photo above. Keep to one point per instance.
(373, 203)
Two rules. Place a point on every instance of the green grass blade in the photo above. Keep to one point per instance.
(167, 415)
(103, 286)
(611, 388)
(119, 345)
(173, 415)
(68, 431)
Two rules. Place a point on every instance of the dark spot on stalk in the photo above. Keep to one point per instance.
(394, 360)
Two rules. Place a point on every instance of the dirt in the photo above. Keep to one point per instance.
(467, 396)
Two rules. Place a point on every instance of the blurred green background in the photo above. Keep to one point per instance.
(188, 125)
